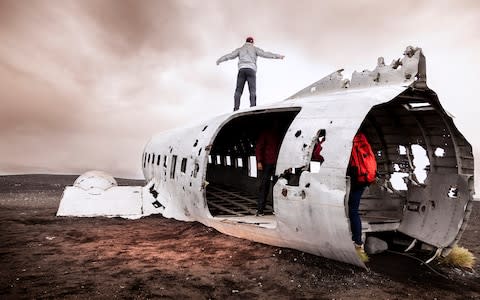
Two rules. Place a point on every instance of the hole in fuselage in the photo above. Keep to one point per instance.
(439, 152)
(298, 133)
(233, 187)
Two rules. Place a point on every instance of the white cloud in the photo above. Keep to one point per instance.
(82, 76)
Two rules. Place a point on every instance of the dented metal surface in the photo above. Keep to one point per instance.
(398, 113)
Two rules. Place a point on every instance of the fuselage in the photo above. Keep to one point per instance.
(207, 173)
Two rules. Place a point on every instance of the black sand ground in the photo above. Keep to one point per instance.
(42, 256)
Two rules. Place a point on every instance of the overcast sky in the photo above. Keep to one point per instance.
(84, 84)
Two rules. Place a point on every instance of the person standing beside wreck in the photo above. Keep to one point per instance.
(266, 152)
(247, 69)
(362, 170)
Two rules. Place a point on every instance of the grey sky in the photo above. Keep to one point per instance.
(84, 84)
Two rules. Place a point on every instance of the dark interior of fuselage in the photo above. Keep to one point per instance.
(232, 175)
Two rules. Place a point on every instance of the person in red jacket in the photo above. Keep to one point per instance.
(316, 155)
(362, 157)
(266, 151)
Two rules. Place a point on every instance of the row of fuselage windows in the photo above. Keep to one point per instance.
(218, 160)
(152, 159)
(237, 162)
(157, 159)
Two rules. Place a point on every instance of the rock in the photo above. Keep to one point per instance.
(375, 245)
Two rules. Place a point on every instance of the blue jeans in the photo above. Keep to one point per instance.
(355, 221)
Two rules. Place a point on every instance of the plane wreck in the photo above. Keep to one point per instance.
(421, 200)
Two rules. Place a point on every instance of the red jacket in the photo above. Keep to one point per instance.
(316, 156)
(268, 145)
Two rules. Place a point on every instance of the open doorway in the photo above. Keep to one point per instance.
(232, 173)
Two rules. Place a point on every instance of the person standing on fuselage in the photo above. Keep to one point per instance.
(247, 69)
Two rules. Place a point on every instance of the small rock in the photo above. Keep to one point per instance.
(375, 245)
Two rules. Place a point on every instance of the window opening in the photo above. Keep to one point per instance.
(158, 160)
(218, 160)
(165, 161)
(252, 166)
(153, 158)
(402, 150)
(144, 160)
(148, 158)
(228, 160)
(210, 159)
(418, 106)
(439, 152)
(239, 162)
(172, 168)
(195, 170)
(183, 167)
(317, 157)
(398, 182)
(453, 192)
(293, 175)
(421, 162)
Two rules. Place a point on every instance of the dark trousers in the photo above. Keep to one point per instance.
(355, 221)
(249, 75)
(267, 173)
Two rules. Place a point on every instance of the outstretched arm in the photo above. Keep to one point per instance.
(267, 54)
(228, 56)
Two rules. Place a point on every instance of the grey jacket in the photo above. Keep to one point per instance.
(247, 56)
